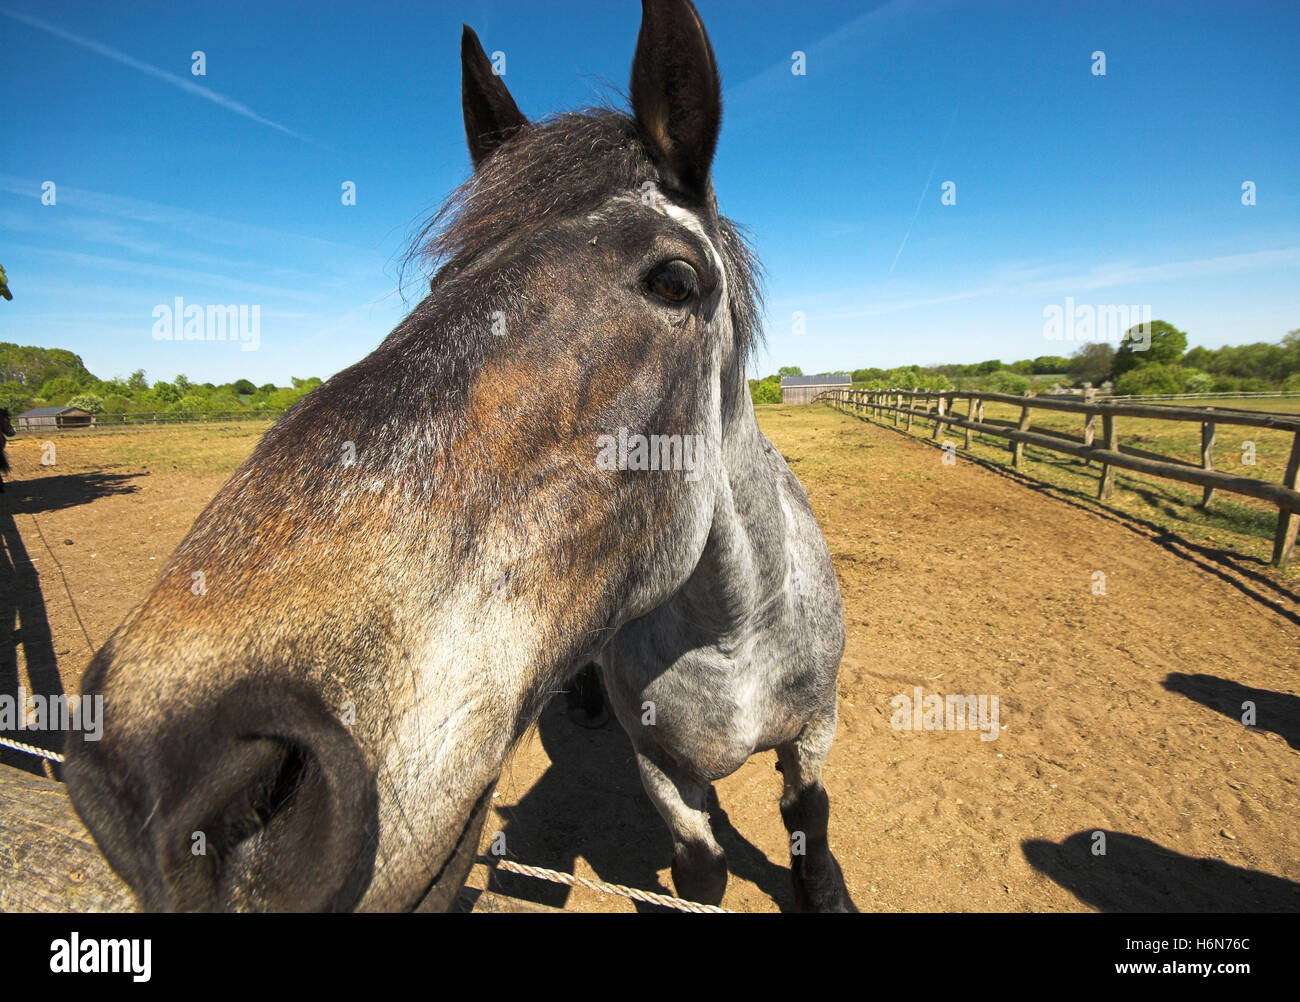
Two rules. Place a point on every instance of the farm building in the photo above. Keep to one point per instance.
(54, 418)
(802, 389)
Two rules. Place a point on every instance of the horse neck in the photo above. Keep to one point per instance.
(746, 556)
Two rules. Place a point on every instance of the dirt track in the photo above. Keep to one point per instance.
(1120, 713)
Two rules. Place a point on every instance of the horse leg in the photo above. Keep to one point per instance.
(805, 809)
(699, 864)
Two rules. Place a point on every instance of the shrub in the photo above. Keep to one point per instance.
(765, 391)
(1006, 381)
(1198, 382)
(1154, 377)
(92, 402)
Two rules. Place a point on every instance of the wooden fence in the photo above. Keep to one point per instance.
(117, 420)
(941, 408)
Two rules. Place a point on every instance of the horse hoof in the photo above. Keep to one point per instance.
(591, 721)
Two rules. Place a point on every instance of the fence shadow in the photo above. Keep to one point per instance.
(590, 803)
(24, 625)
(1236, 569)
(1277, 712)
(1138, 875)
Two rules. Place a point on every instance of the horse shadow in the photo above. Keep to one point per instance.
(1138, 875)
(63, 490)
(590, 803)
(1277, 712)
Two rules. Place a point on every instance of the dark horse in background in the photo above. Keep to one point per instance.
(6, 432)
(436, 540)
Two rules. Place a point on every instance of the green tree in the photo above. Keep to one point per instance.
(1157, 343)
(789, 370)
(164, 393)
(59, 389)
(136, 382)
(244, 387)
(1092, 363)
(14, 398)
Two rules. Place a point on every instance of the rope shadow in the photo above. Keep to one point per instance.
(27, 628)
(590, 803)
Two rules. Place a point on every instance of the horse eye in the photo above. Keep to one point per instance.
(675, 282)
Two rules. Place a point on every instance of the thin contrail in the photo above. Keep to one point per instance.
(230, 104)
(933, 167)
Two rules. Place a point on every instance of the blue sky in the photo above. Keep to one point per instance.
(1117, 189)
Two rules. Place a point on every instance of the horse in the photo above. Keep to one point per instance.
(312, 707)
(6, 432)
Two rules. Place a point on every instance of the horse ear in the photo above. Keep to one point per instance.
(491, 115)
(676, 94)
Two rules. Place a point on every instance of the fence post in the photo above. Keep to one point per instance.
(897, 415)
(970, 416)
(1107, 485)
(1207, 456)
(939, 409)
(911, 406)
(1018, 448)
(1288, 521)
(1089, 422)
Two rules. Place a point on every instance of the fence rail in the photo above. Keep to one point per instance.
(159, 417)
(939, 407)
(1227, 395)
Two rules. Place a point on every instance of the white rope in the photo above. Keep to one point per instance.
(538, 872)
(649, 897)
(53, 756)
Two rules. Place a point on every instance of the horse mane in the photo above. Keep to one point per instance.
(563, 167)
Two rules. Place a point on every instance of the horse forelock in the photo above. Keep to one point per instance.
(565, 167)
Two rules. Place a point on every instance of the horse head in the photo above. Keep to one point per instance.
(312, 706)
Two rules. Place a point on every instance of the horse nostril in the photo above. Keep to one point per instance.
(251, 811)
(261, 801)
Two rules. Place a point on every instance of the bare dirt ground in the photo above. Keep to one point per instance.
(1120, 714)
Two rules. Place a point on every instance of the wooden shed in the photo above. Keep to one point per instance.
(802, 389)
(53, 418)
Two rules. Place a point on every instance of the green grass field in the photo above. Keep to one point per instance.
(185, 448)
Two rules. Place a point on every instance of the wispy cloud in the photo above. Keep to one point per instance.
(929, 178)
(189, 86)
